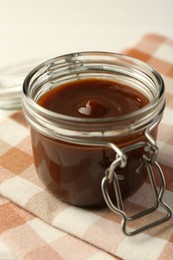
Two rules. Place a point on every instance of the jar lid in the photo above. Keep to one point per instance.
(11, 81)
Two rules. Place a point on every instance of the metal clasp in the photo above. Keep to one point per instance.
(150, 163)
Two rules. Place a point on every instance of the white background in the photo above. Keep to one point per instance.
(41, 29)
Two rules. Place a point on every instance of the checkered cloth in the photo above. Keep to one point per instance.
(35, 225)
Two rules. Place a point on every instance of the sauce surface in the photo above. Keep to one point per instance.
(93, 98)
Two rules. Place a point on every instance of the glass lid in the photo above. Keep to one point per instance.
(11, 81)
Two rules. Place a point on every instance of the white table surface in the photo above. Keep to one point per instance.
(38, 30)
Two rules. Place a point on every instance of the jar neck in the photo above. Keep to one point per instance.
(117, 67)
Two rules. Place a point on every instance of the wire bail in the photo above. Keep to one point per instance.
(150, 163)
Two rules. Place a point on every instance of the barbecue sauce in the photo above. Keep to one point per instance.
(72, 171)
(93, 98)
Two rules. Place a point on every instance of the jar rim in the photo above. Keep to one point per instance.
(130, 115)
(44, 119)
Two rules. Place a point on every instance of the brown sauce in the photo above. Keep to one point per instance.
(93, 98)
(74, 172)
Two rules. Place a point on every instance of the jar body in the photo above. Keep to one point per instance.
(65, 158)
(74, 173)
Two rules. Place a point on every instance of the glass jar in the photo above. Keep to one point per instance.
(86, 162)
